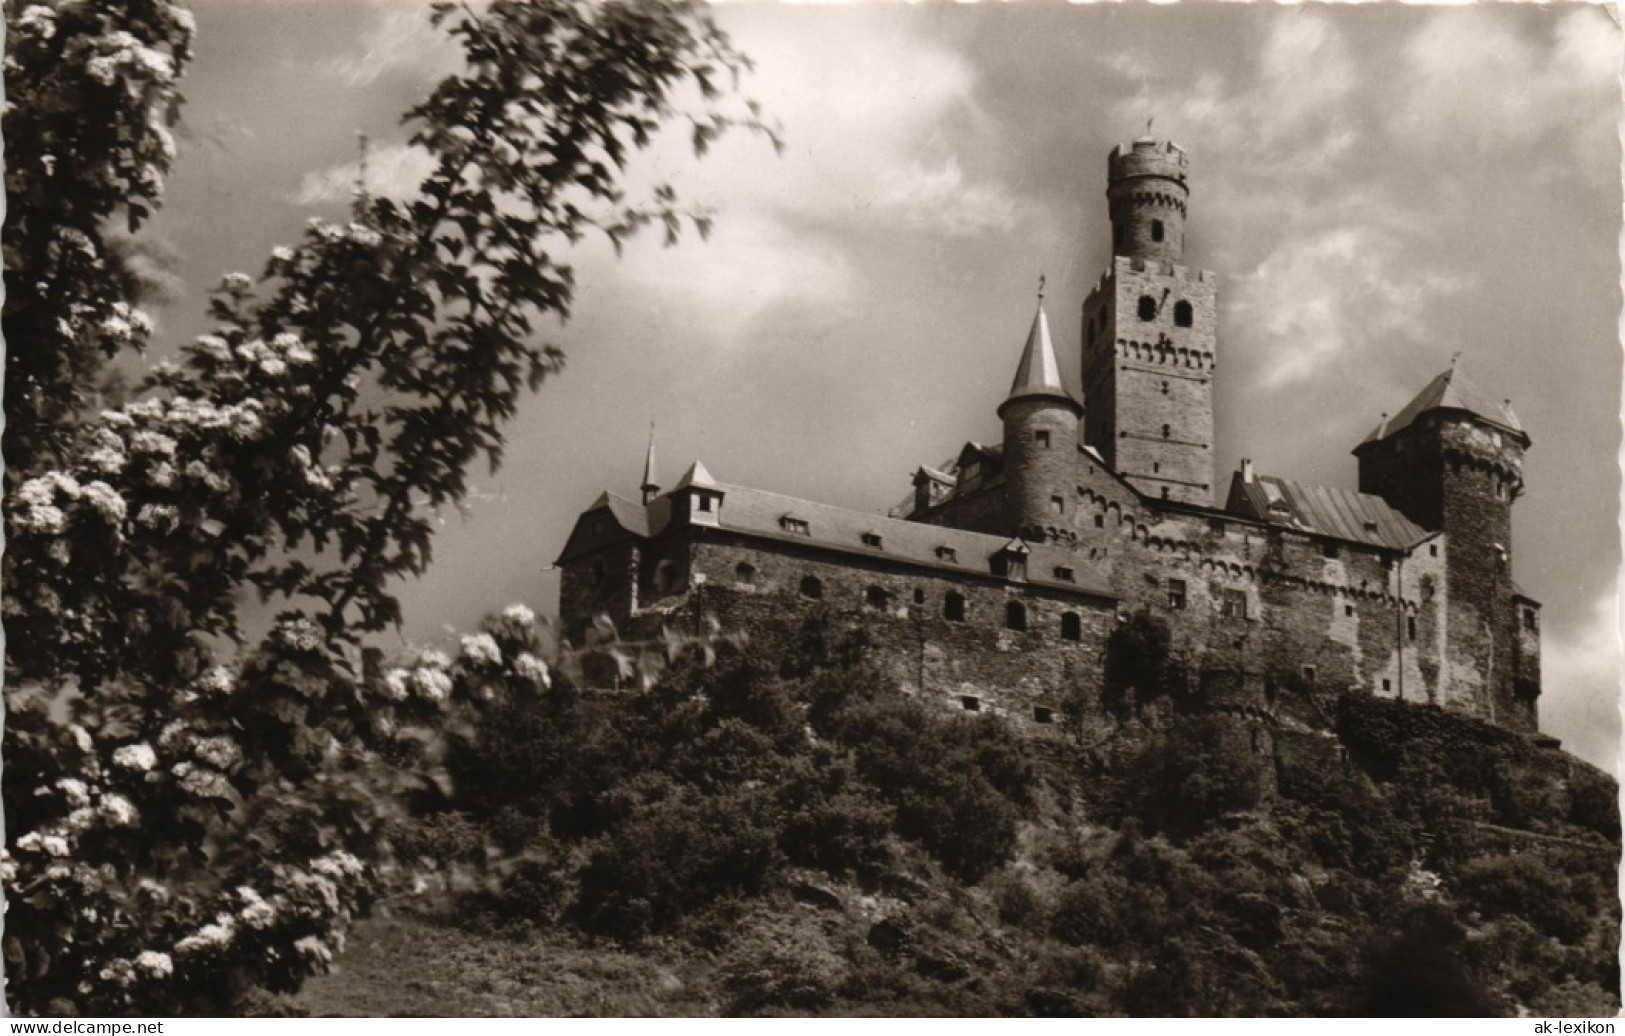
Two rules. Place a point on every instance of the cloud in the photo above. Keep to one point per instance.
(940, 200)
(1580, 703)
(401, 39)
(393, 171)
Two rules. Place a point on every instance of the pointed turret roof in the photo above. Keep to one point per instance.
(1452, 390)
(651, 485)
(696, 475)
(1038, 376)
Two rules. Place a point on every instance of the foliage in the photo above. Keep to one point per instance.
(195, 814)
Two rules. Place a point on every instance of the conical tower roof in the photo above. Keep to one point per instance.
(696, 475)
(651, 484)
(1038, 376)
(1452, 390)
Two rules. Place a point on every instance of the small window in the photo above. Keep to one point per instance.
(919, 597)
(1309, 674)
(877, 598)
(1531, 619)
(1410, 627)
(745, 572)
(1165, 388)
(1015, 616)
(1348, 609)
(1165, 492)
(1387, 685)
(871, 539)
(1043, 714)
(799, 526)
(1233, 604)
(665, 576)
(1071, 626)
(953, 607)
(1182, 314)
(947, 554)
(812, 587)
(1433, 550)
(1176, 594)
(1100, 521)
(1156, 230)
(704, 501)
(1148, 308)
(1329, 549)
(970, 703)
(1057, 505)
(1042, 438)
(1065, 574)
(1216, 525)
(1165, 430)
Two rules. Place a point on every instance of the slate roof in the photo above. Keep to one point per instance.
(1038, 375)
(758, 513)
(1451, 390)
(1327, 510)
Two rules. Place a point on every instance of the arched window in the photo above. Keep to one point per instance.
(953, 607)
(812, 587)
(1071, 626)
(1148, 308)
(1015, 616)
(745, 572)
(875, 597)
(1156, 230)
(1182, 313)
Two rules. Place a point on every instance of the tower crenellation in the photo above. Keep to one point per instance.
(1147, 195)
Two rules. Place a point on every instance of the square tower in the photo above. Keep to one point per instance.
(1150, 335)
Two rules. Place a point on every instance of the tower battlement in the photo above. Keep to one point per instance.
(1147, 158)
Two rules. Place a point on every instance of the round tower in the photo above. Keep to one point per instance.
(1040, 439)
(1147, 194)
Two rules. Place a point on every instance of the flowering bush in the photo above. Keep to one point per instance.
(192, 814)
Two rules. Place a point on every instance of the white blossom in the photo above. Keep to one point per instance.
(481, 649)
(300, 634)
(138, 756)
(338, 864)
(218, 680)
(118, 810)
(274, 367)
(434, 659)
(155, 964)
(519, 613)
(38, 20)
(159, 517)
(105, 501)
(214, 347)
(432, 684)
(146, 441)
(237, 282)
(211, 936)
(531, 668)
(313, 949)
(397, 684)
(221, 753)
(81, 737)
(49, 844)
(74, 790)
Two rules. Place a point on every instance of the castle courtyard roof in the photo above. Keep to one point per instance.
(1328, 511)
(760, 514)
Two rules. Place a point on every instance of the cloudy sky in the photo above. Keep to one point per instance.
(1377, 187)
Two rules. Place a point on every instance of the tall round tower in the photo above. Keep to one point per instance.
(1147, 193)
(1040, 438)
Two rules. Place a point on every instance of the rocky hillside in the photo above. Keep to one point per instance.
(792, 835)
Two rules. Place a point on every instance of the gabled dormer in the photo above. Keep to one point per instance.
(697, 497)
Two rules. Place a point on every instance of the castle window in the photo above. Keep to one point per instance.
(1329, 549)
(947, 554)
(877, 598)
(1216, 525)
(953, 607)
(1042, 438)
(1410, 627)
(1233, 604)
(1387, 685)
(1057, 505)
(665, 577)
(1176, 594)
(1156, 230)
(1348, 609)
(704, 501)
(1043, 715)
(799, 526)
(1165, 388)
(1433, 550)
(1531, 620)
(1148, 308)
(1071, 626)
(970, 703)
(1015, 616)
(812, 587)
(871, 539)
(919, 597)
(1165, 430)
(1165, 492)
(1063, 573)
(1156, 467)
(1100, 521)
(745, 572)
(1309, 674)
(1182, 314)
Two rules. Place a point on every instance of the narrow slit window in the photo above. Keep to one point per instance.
(1156, 230)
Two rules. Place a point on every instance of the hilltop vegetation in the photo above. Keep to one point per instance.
(798, 837)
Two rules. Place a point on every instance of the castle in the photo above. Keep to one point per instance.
(995, 587)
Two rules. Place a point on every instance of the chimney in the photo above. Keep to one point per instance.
(1247, 471)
